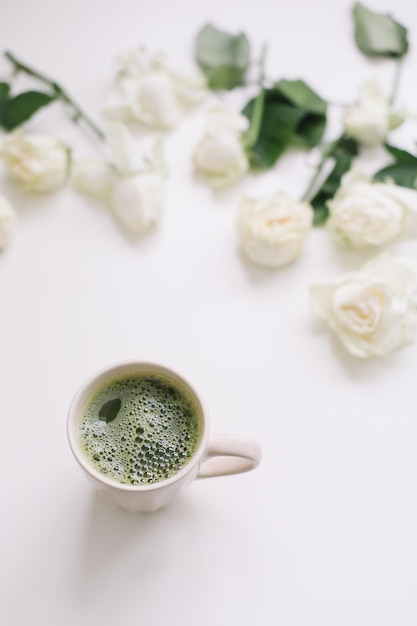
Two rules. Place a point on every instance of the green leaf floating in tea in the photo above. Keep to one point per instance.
(109, 410)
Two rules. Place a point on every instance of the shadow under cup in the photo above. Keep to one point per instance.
(213, 456)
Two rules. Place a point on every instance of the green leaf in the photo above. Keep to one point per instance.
(291, 112)
(311, 127)
(4, 98)
(301, 96)
(403, 172)
(109, 410)
(4, 92)
(401, 155)
(310, 130)
(222, 57)
(256, 113)
(277, 128)
(321, 213)
(20, 108)
(342, 151)
(377, 34)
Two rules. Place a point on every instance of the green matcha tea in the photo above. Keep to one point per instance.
(139, 429)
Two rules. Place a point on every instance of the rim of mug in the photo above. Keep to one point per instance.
(92, 383)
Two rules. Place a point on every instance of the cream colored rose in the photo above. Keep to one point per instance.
(38, 162)
(370, 120)
(220, 156)
(148, 90)
(366, 214)
(373, 311)
(7, 221)
(131, 183)
(272, 231)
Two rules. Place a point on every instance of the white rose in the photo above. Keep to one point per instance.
(150, 91)
(220, 155)
(137, 202)
(369, 121)
(364, 214)
(130, 182)
(372, 311)
(151, 101)
(7, 221)
(272, 231)
(189, 88)
(155, 103)
(135, 63)
(220, 120)
(38, 162)
(94, 177)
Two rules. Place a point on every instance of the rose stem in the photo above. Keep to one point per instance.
(327, 153)
(396, 81)
(258, 106)
(58, 91)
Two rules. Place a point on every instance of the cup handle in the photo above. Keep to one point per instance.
(229, 454)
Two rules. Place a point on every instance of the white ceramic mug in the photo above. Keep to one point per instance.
(215, 455)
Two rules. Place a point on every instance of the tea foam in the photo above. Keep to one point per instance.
(154, 434)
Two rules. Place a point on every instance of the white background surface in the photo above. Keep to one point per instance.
(323, 533)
